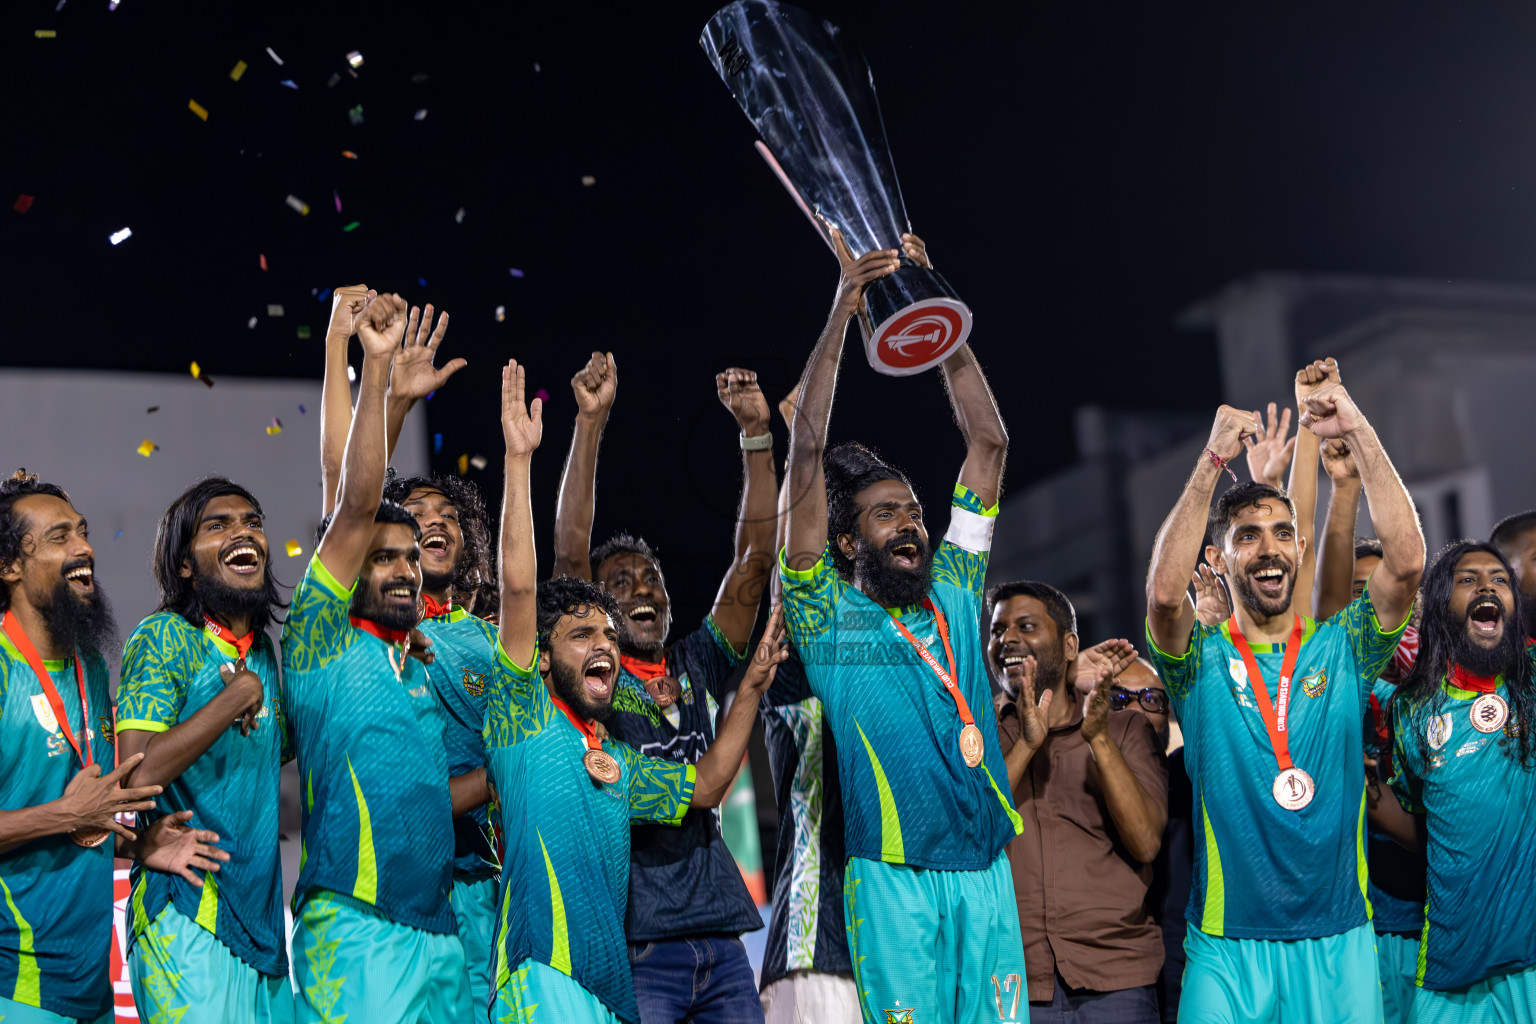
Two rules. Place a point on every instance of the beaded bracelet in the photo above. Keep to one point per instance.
(1222, 463)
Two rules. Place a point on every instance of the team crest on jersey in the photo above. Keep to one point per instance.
(1314, 684)
(43, 713)
(1438, 732)
(898, 1017)
(474, 683)
(109, 731)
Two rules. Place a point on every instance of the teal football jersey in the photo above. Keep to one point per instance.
(56, 923)
(1261, 871)
(378, 818)
(565, 881)
(1479, 805)
(1396, 889)
(464, 649)
(908, 796)
(170, 671)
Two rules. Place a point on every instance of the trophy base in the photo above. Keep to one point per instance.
(919, 321)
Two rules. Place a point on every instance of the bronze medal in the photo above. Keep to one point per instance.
(971, 746)
(1489, 713)
(1293, 789)
(89, 836)
(602, 766)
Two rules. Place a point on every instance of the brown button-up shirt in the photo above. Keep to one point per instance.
(1082, 898)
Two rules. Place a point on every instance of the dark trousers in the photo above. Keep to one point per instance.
(695, 981)
(1081, 1006)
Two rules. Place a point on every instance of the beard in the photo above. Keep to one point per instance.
(566, 682)
(1487, 661)
(886, 583)
(1253, 599)
(81, 622)
(439, 582)
(231, 602)
(1050, 668)
(369, 604)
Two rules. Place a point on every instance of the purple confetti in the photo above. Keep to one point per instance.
(430, 394)
(337, 196)
(541, 395)
(515, 272)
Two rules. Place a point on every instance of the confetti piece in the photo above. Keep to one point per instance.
(349, 154)
(351, 374)
(263, 260)
(153, 408)
(301, 411)
(46, 33)
(355, 115)
(330, 83)
(421, 281)
(118, 535)
(113, 4)
(351, 226)
(251, 323)
(60, 7)
(514, 272)
(419, 77)
(121, 236)
(325, 295)
(421, 115)
(298, 204)
(198, 109)
(501, 313)
(237, 70)
(536, 68)
(146, 448)
(430, 394)
(295, 549)
(304, 333)
(355, 58)
(22, 204)
(463, 464)
(542, 395)
(336, 196)
(275, 427)
(274, 56)
(197, 371)
(351, 72)
(588, 180)
(458, 218)
(437, 444)
(290, 83)
(478, 462)
(274, 309)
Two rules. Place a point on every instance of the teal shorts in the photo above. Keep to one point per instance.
(1398, 958)
(181, 972)
(12, 1012)
(1502, 999)
(940, 947)
(474, 904)
(352, 963)
(536, 993)
(1332, 980)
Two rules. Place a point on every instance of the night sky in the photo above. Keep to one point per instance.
(1081, 172)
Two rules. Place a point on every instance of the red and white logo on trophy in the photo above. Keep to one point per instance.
(919, 336)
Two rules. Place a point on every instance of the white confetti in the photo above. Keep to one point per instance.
(501, 313)
(299, 205)
(251, 323)
(351, 373)
(421, 115)
(274, 309)
(273, 55)
(120, 236)
(478, 462)
(355, 58)
(458, 218)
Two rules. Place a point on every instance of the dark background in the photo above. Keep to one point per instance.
(1081, 172)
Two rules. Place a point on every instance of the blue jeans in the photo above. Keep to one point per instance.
(1080, 1006)
(697, 981)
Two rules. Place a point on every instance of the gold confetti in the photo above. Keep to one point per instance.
(238, 70)
(146, 447)
(294, 549)
(274, 428)
(197, 371)
(46, 33)
(463, 464)
(198, 109)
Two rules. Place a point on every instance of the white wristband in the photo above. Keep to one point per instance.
(970, 530)
(758, 443)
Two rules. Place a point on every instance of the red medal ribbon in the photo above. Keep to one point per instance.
(19, 637)
(1465, 680)
(1273, 714)
(242, 645)
(593, 743)
(641, 669)
(433, 608)
(947, 678)
(1379, 719)
(389, 636)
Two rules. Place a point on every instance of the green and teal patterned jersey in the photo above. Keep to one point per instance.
(1396, 889)
(56, 924)
(908, 797)
(378, 818)
(464, 649)
(565, 880)
(1261, 871)
(170, 671)
(1479, 806)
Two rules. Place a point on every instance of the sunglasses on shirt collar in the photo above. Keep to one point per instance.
(1150, 699)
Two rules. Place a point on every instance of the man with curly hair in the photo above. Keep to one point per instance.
(567, 791)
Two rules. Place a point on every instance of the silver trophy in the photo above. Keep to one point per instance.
(811, 96)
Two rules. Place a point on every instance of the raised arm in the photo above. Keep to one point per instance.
(1176, 551)
(522, 427)
(1303, 491)
(1331, 413)
(347, 305)
(741, 591)
(1336, 559)
(595, 387)
(413, 376)
(346, 542)
(716, 770)
(807, 525)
